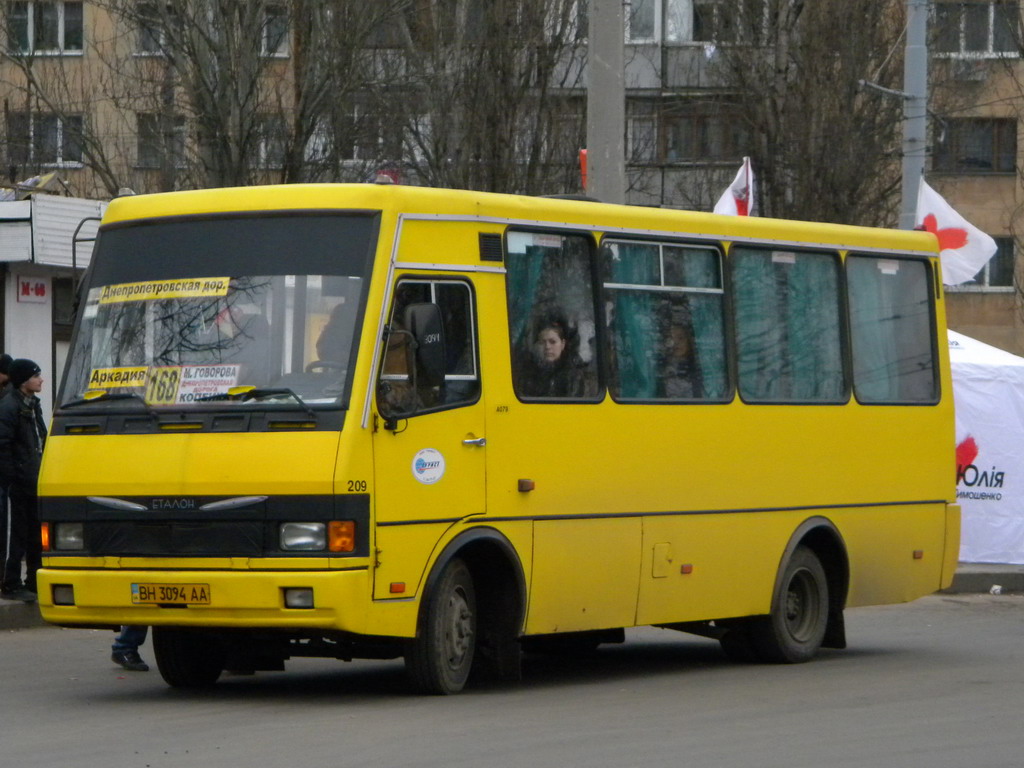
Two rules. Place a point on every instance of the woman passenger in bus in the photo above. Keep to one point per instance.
(552, 370)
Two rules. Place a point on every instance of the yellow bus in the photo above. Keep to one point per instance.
(376, 421)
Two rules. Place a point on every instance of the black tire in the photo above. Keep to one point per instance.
(439, 660)
(794, 630)
(188, 659)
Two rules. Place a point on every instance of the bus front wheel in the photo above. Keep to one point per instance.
(794, 630)
(439, 659)
(188, 659)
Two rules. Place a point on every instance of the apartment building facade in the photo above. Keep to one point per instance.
(114, 93)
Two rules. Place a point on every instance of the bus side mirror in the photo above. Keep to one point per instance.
(427, 328)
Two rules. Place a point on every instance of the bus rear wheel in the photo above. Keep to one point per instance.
(795, 629)
(188, 659)
(440, 658)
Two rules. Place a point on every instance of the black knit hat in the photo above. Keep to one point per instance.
(21, 370)
(5, 363)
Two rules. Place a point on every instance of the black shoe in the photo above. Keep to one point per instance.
(130, 660)
(21, 593)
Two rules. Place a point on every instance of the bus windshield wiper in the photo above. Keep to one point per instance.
(244, 394)
(102, 396)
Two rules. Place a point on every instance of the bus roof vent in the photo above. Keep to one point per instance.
(490, 247)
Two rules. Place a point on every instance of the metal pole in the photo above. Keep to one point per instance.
(915, 107)
(606, 103)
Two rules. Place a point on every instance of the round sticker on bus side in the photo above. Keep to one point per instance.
(428, 466)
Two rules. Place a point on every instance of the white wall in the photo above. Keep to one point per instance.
(36, 242)
(28, 325)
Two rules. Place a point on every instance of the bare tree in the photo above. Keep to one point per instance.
(493, 98)
(824, 148)
(198, 93)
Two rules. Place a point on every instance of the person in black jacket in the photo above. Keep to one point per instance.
(5, 387)
(22, 437)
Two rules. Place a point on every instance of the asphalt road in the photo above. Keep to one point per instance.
(937, 683)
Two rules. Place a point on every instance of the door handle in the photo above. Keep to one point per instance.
(480, 441)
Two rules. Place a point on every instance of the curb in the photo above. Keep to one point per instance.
(18, 615)
(984, 578)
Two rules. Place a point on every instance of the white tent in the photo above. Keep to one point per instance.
(988, 391)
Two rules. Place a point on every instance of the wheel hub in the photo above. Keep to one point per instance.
(459, 631)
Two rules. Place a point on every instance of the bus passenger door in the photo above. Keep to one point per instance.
(429, 444)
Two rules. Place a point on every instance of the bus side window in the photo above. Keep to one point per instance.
(551, 316)
(891, 329)
(665, 316)
(788, 326)
(461, 385)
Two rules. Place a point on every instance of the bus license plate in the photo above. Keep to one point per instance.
(177, 594)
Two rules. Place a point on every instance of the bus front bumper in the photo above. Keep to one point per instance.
(204, 598)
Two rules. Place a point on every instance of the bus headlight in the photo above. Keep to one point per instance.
(304, 537)
(69, 537)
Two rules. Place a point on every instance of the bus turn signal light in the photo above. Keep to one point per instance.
(341, 536)
(44, 533)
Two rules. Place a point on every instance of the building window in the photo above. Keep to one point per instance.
(274, 35)
(157, 27)
(369, 137)
(703, 133)
(649, 21)
(63, 307)
(728, 21)
(977, 29)
(161, 140)
(271, 142)
(997, 274)
(44, 139)
(45, 27)
(712, 22)
(977, 145)
(579, 21)
(643, 139)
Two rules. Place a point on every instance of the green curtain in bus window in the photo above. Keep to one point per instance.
(891, 330)
(523, 275)
(700, 269)
(814, 335)
(636, 335)
(787, 326)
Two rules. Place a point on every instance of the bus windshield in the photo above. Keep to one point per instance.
(225, 312)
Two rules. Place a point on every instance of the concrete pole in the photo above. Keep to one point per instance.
(606, 103)
(915, 107)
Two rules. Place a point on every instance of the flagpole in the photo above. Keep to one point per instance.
(915, 108)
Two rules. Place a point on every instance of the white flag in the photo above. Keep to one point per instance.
(963, 248)
(738, 199)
